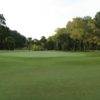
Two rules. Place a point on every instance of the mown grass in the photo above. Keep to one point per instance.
(49, 75)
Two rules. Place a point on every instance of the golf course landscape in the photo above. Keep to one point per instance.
(49, 75)
(50, 50)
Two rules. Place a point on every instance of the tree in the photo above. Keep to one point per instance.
(50, 45)
(80, 29)
(75, 30)
(2, 20)
(43, 42)
(62, 39)
(9, 43)
(97, 23)
(97, 19)
(20, 40)
(5, 32)
(29, 43)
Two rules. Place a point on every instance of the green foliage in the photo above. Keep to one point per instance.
(7, 34)
(37, 47)
(20, 40)
(29, 43)
(51, 43)
(75, 29)
(2, 20)
(43, 42)
(80, 34)
(97, 19)
(4, 32)
(61, 39)
(9, 43)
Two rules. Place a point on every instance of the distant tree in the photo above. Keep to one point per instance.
(97, 19)
(2, 20)
(62, 39)
(75, 30)
(89, 29)
(4, 32)
(80, 29)
(50, 43)
(36, 42)
(37, 47)
(9, 43)
(20, 40)
(29, 43)
(43, 42)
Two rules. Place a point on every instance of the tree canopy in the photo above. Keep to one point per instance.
(9, 37)
(80, 34)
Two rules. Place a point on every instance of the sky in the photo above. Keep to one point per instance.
(36, 18)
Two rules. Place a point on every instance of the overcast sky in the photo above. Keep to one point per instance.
(36, 18)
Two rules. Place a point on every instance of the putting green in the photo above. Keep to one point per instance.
(38, 54)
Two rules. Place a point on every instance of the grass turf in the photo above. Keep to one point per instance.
(46, 75)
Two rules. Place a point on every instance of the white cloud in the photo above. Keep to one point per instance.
(41, 17)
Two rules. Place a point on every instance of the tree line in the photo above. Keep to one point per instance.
(10, 39)
(80, 34)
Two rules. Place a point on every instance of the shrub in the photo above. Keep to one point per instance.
(37, 47)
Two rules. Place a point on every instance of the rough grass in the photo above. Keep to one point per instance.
(49, 75)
